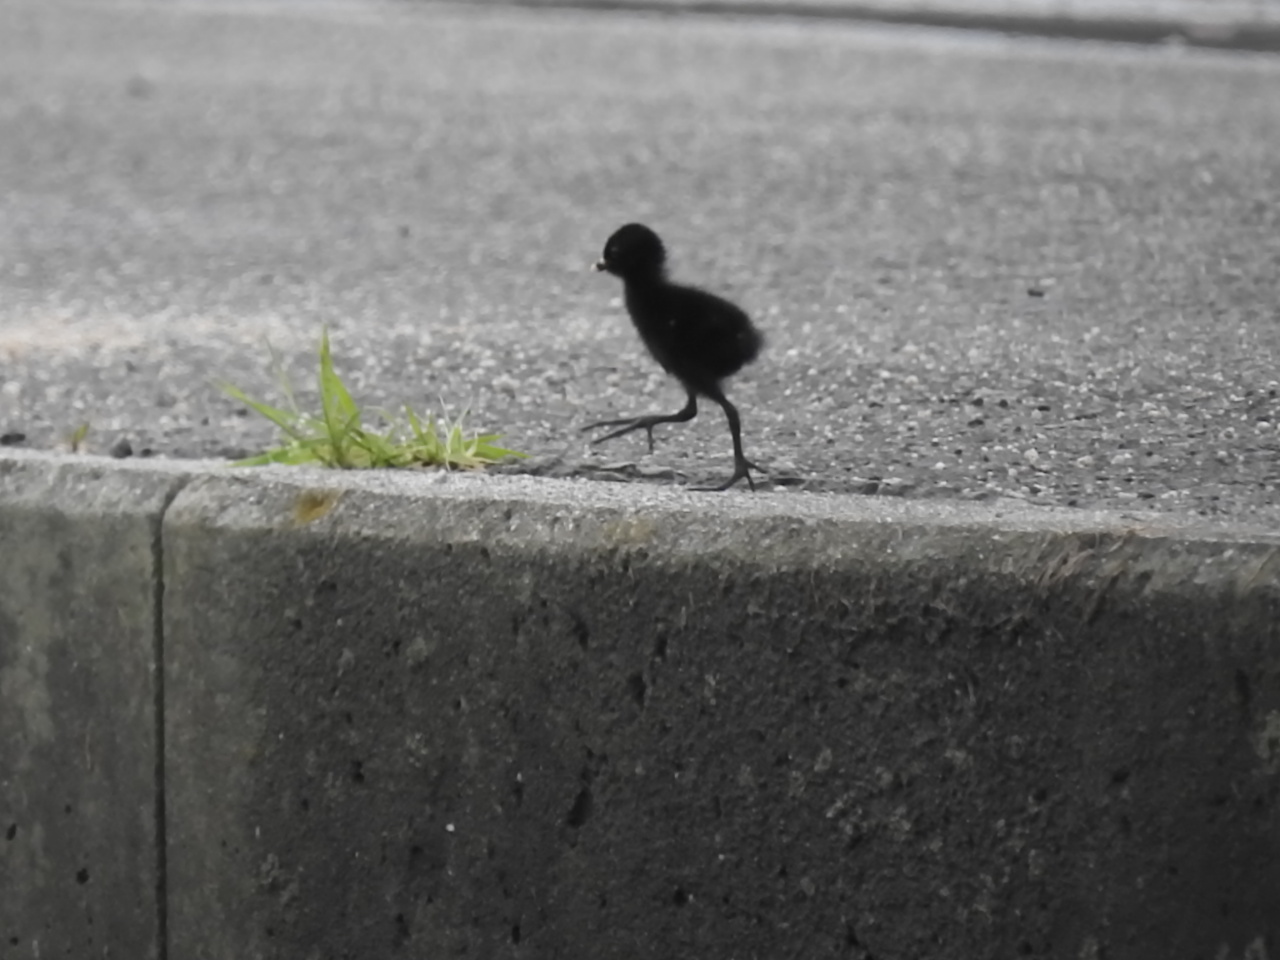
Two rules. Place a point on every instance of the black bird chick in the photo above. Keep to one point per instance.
(698, 338)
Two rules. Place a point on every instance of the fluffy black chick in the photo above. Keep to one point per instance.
(698, 338)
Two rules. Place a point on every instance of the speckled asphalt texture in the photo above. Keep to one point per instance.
(986, 268)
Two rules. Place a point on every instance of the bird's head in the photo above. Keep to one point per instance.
(634, 252)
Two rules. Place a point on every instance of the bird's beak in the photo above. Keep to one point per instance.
(599, 266)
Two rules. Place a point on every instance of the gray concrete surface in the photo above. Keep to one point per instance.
(184, 181)
(506, 717)
(78, 750)
(414, 715)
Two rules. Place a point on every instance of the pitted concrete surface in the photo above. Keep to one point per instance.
(530, 719)
(518, 717)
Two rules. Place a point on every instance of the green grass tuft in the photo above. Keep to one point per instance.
(76, 437)
(337, 437)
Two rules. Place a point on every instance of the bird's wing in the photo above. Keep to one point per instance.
(715, 335)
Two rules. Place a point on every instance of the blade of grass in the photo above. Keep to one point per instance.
(282, 377)
(284, 419)
(333, 391)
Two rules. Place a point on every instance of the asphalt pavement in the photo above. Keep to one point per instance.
(986, 267)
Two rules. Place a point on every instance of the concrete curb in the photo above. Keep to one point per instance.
(411, 715)
(1217, 26)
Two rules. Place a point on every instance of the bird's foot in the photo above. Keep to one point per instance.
(645, 423)
(741, 468)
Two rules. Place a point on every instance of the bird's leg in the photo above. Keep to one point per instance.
(647, 422)
(742, 467)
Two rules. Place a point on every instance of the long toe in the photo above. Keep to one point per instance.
(645, 423)
(627, 427)
(739, 472)
(608, 423)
